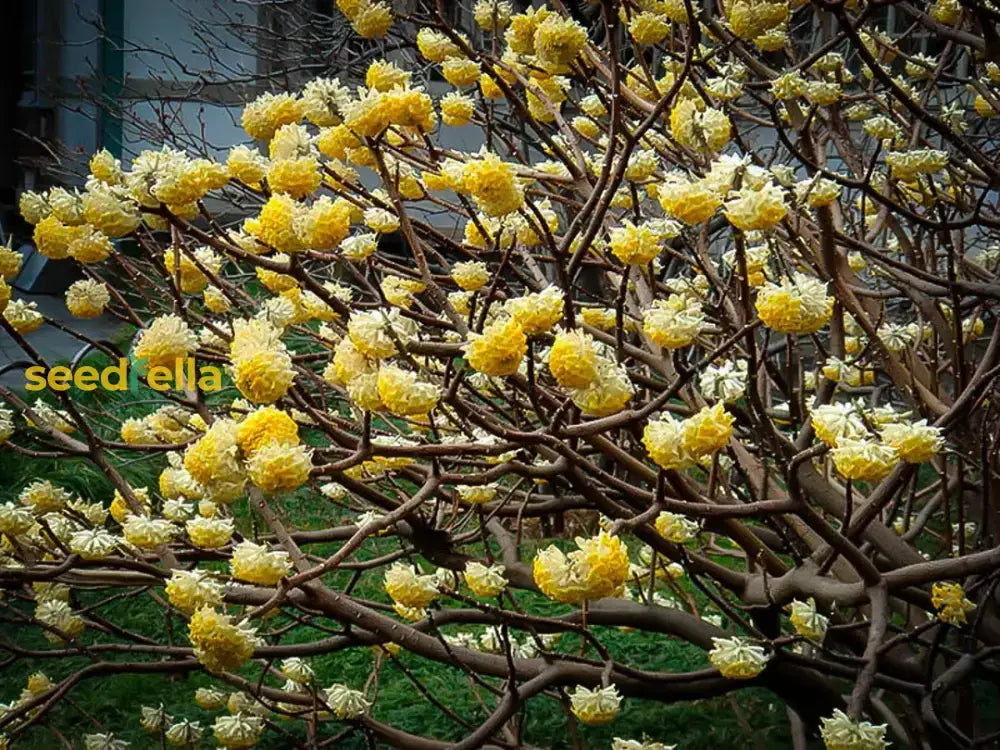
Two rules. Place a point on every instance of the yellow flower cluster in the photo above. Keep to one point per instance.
(635, 244)
(864, 460)
(257, 564)
(484, 580)
(595, 707)
(607, 393)
(798, 304)
(841, 732)
(596, 569)
(262, 368)
(807, 621)
(279, 467)
(167, 339)
(219, 643)
(573, 359)
(470, 275)
(190, 590)
(370, 20)
(212, 462)
(915, 442)
(409, 588)
(737, 658)
(674, 444)
(499, 349)
(676, 528)
(674, 322)
(493, 185)
(951, 603)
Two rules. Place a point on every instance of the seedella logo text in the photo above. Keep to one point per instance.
(125, 376)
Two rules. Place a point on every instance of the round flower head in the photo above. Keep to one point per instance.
(537, 312)
(370, 334)
(44, 497)
(796, 305)
(835, 421)
(557, 42)
(373, 20)
(726, 382)
(239, 730)
(190, 590)
(864, 460)
(499, 349)
(664, 441)
(607, 393)
(262, 368)
(59, 615)
(708, 431)
(346, 703)
(573, 359)
(676, 528)
(470, 275)
(23, 316)
(409, 588)
(689, 202)
(246, 165)
(269, 112)
(597, 706)
(277, 467)
(297, 177)
(950, 602)
(87, 298)
(212, 461)
(381, 221)
(807, 621)
(147, 533)
(400, 291)
(209, 533)
(598, 568)
(219, 643)
(103, 741)
(266, 425)
(90, 544)
(275, 224)
(635, 244)
(165, 341)
(841, 732)
(154, 720)
(915, 442)
(706, 130)
(648, 28)
(757, 209)
(737, 658)
(403, 393)
(460, 71)
(493, 184)
(184, 733)
(89, 246)
(297, 670)
(210, 699)
(324, 225)
(257, 564)
(457, 109)
(120, 508)
(492, 15)
(484, 581)
(674, 322)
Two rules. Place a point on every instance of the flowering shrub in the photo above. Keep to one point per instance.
(715, 298)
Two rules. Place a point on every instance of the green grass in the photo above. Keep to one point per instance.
(113, 703)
